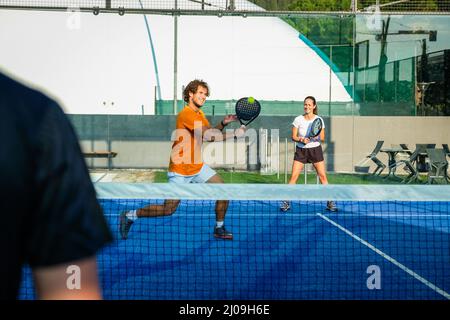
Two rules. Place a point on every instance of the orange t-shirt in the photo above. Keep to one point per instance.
(186, 155)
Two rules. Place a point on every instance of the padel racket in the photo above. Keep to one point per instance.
(247, 110)
(316, 127)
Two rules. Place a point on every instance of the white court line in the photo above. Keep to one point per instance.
(395, 215)
(302, 215)
(390, 259)
(95, 180)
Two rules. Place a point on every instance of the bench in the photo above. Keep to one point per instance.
(100, 154)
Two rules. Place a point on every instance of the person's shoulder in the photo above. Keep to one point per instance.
(185, 112)
(24, 98)
(299, 118)
(11, 88)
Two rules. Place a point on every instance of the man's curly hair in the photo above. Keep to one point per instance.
(192, 87)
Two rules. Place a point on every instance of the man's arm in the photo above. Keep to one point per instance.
(226, 121)
(216, 134)
(76, 280)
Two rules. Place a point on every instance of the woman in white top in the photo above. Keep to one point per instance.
(308, 150)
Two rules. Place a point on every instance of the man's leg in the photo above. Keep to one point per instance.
(221, 205)
(221, 210)
(127, 218)
(158, 210)
(155, 210)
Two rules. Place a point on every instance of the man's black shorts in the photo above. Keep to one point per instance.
(309, 155)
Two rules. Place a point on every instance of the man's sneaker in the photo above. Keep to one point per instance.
(221, 233)
(125, 225)
(331, 206)
(285, 206)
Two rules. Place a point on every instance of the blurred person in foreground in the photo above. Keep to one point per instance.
(51, 219)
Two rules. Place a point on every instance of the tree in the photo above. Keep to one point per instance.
(345, 5)
(416, 5)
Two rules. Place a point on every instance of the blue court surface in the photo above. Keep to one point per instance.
(366, 250)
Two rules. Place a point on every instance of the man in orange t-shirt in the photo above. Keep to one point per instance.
(186, 165)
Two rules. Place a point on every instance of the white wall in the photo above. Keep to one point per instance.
(103, 64)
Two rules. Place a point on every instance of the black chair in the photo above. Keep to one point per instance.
(360, 167)
(410, 167)
(406, 153)
(446, 149)
(421, 164)
(438, 165)
(405, 147)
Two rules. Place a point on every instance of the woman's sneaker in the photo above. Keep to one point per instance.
(285, 206)
(331, 206)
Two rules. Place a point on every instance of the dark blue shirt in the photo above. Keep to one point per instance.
(48, 207)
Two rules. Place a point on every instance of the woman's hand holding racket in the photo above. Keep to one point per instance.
(311, 139)
(316, 128)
